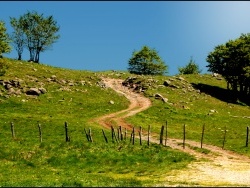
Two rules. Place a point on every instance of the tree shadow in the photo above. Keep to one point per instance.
(222, 94)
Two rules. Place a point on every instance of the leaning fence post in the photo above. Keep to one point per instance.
(66, 132)
(12, 130)
(202, 134)
(104, 136)
(247, 136)
(40, 132)
(90, 135)
(87, 136)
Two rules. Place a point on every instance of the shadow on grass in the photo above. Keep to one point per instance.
(222, 94)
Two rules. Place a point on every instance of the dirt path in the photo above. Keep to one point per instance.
(217, 168)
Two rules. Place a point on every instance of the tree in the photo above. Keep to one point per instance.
(232, 61)
(40, 32)
(190, 68)
(18, 37)
(4, 39)
(147, 62)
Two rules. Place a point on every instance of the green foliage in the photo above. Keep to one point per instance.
(18, 36)
(147, 62)
(190, 68)
(36, 31)
(3, 67)
(4, 39)
(232, 61)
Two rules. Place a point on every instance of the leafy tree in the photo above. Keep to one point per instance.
(147, 62)
(232, 61)
(18, 37)
(190, 68)
(4, 39)
(40, 32)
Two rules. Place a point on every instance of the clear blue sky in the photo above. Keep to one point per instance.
(98, 35)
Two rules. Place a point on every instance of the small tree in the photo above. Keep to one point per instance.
(40, 33)
(18, 37)
(190, 68)
(4, 39)
(147, 62)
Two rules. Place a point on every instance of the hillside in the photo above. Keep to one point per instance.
(36, 93)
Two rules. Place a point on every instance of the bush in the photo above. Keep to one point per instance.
(190, 68)
(3, 67)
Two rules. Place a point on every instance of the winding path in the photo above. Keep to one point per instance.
(220, 167)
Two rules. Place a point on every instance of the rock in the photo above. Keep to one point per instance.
(166, 83)
(33, 91)
(159, 96)
(111, 102)
(101, 84)
(42, 90)
(11, 91)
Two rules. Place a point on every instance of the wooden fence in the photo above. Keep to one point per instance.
(118, 134)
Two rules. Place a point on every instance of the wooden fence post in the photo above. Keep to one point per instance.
(148, 134)
(121, 134)
(247, 136)
(166, 133)
(184, 135)
(66, 132)
(224, 137)
(104, 136)
(133, 136)
(40, 132)
(125, 134)
(87, 136)
(161, 135)
(202, 134)
(113, 134)
(140, 133)
(12, 130)
(90, 135)
(118, 134)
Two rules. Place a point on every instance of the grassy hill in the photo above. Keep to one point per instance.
(76, 97)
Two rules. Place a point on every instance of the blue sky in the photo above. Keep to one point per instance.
(99, 36)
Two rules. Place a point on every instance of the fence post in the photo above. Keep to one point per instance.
(184, 135)
(104, 136)
(140, 133)
(247, 136)
(148, 134)
(202, 134)
(66, 132)
(121, 134)
(133, 136)
(40, 132)
(118, 134)
(90, 135)
(12, 130)
(224, 137)
(161, 134)
(125, 134)
(166, 135)
(87, 136)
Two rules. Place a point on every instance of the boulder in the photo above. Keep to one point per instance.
(33, 91)
(159, 96)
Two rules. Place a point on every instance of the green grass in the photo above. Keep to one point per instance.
(24, 161)
(189, 107)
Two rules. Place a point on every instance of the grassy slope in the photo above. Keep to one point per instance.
(194, 110)
(24, 161)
